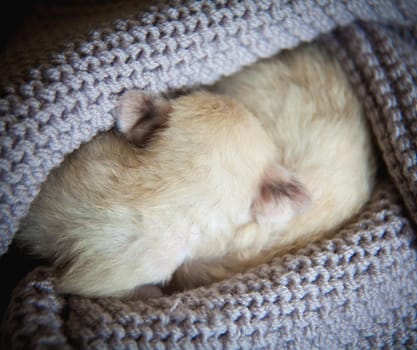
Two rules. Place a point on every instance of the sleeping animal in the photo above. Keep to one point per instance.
(193, 189)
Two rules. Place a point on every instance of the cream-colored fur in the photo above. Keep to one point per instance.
(207, 184)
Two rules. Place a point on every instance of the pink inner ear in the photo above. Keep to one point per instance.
(140, 114)
(281, 196)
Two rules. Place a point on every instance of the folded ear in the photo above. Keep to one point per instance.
(280, 196)
(139, 114)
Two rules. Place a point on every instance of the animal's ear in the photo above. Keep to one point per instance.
(280, 196)
(139, 114)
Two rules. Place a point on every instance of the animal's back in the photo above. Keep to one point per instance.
(305, 103)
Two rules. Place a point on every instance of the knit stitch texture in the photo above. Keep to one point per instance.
(60, 78)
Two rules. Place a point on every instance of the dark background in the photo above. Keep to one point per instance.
(12, 14)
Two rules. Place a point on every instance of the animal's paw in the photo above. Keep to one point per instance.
(147, 291)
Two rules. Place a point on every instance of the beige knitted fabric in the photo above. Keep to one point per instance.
(59, 82)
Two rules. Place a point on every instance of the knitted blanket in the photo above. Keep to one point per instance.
(60, 78)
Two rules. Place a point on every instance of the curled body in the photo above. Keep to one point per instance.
(193, 189)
